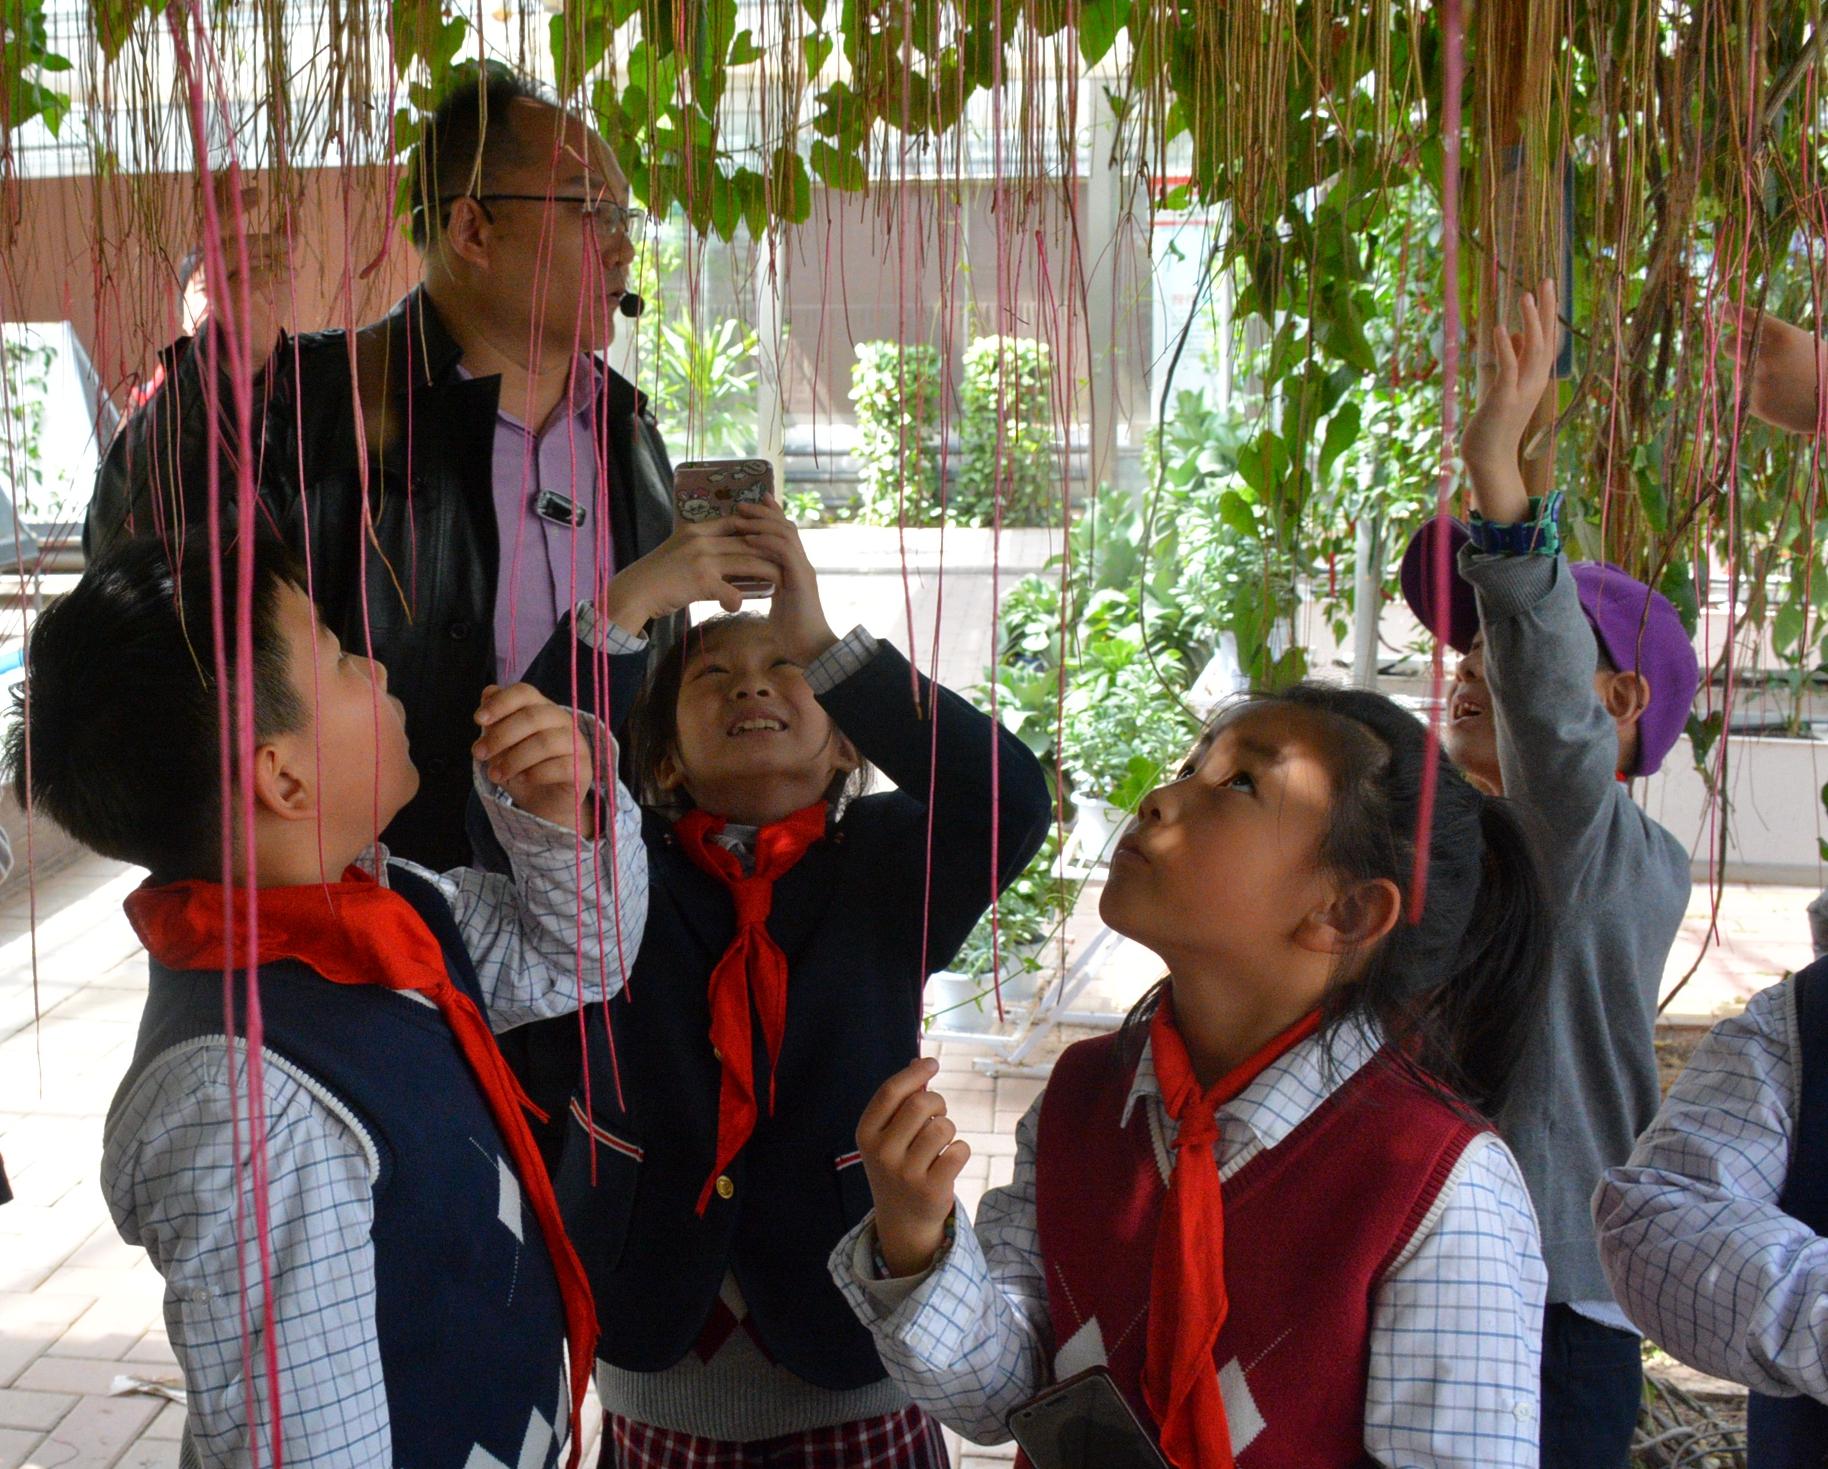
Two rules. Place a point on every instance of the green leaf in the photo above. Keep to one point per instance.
(842, 171)
(407, 130)
(1099, 23)
(791, 186)
(1655, 507)
(1702, 735)
(743, 49)
(114, 21)
(445, 46)
(716, 38)
(1342, 431)
(1787, 626)
(725, 207)
(1140, 776)
(752, 199)
(816, 48)
(1235, 512)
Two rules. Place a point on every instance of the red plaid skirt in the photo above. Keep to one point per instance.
(908, 1439)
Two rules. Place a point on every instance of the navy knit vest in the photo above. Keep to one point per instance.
(467, 1309)
(635, 1161)
(1792, 1433)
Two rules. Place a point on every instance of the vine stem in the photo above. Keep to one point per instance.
(1453, 32)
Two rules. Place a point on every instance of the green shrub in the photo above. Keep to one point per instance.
(896, 392)
(1007, 447)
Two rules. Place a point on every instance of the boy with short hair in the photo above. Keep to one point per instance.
(1571, 679)
(413, 1297)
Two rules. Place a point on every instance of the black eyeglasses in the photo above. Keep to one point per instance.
(601, 212)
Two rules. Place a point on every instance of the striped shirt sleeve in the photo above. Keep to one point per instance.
(1690, 1231)
(969, 1340)
(1456, 1328)
(169, 1168)
(562, 927)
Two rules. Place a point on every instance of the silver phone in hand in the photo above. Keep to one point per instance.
(1084, 1423)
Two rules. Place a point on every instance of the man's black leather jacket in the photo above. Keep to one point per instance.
(418, 574)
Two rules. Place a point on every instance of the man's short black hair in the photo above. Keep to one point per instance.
(115, 734)
(467, 138)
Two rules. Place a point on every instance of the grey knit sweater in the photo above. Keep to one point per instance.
(1586, 1083)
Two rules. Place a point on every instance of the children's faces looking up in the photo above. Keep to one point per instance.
(747, 738)
(750, 737)
(1471, 737)
(323, 788)
(1223, 876)
(750, 741)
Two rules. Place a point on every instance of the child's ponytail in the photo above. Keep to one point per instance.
(1484, 1010)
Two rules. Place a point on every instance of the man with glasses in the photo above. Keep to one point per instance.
(507, 471)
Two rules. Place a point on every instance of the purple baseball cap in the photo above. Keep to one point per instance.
(1638, 630)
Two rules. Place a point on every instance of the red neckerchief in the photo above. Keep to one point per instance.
(358, 932)
(753, 968)
(1187, 1300)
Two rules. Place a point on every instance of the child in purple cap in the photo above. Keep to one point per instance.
(1715, 1232)
(1571, 678)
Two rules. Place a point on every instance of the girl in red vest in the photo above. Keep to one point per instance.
(1270, 1206)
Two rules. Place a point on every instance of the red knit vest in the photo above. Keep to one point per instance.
(1311, 1226)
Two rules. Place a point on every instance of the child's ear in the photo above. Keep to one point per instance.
(282, 784)
(1360, 915)
(844, 756)
(1625, 695)
(669, 775)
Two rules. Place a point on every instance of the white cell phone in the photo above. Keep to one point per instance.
(710, 489)
(1084, 1423)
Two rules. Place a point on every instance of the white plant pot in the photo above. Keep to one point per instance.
(1097, 825)
(960, 1002)
(1020, 983)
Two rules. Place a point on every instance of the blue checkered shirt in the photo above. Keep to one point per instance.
(1456, 1326)
(569, 915)
(1689, 1229)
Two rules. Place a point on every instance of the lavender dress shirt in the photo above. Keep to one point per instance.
(547, 565)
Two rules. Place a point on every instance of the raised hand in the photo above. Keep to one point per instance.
(534, 750)
(913, 1157)
(697, 563)
(1514, 373)
(1781, 373)
(795, 614)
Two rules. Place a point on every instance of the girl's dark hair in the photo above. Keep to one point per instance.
(1455, 989)
(653, 724)
(123, 736)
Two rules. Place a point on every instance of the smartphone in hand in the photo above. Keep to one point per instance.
(710, 489)
(1084, 1423)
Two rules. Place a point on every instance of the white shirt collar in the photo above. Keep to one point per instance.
(1289, 1089)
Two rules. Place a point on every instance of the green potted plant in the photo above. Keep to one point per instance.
(1125, 725)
